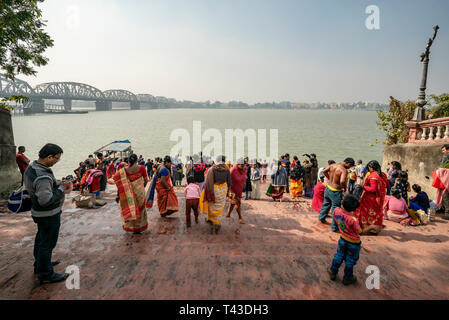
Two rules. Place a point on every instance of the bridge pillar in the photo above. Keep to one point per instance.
(103, 105)
(35, 106)
(67, 104)
(135, 105)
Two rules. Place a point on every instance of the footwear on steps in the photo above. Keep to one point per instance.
(55, 277)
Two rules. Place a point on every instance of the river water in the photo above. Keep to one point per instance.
(328, 133)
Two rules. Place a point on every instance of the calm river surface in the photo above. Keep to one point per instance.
(330, 134)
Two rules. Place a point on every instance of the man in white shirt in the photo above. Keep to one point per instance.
(359, 182)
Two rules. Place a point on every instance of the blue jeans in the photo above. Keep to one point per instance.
(349, 252)
(351, 184)
(332, 200)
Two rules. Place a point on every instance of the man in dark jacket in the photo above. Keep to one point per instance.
(47, 197)
(287, 166)
(314, 170)
(247, 188)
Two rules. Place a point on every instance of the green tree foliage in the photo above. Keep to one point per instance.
(393, 121)
(17, 99)
(442, 108)
(22, 37)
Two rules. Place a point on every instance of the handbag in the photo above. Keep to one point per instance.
(19, 201)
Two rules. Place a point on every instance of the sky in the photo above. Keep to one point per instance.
(250, 51)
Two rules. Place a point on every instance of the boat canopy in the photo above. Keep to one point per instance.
(122, 146)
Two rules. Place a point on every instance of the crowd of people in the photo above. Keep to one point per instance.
(354, 196)
(377, 192)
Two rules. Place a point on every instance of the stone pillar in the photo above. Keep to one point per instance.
(135, 105)
(10, 177)
(67, 104)
(103, 105)
(414, 130)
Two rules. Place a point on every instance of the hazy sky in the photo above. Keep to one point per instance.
(253, 51)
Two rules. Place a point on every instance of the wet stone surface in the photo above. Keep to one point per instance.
(281, 252)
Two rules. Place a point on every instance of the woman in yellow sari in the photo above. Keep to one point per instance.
(215, 191)
(131, 182)
(296, 176)
(167, 201)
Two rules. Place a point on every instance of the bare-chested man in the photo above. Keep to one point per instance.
(337, 175)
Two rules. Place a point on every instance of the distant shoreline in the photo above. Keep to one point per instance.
(208, 108)
(295, 109)
(86, 110)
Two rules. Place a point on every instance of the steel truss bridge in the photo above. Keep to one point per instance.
(69, 91)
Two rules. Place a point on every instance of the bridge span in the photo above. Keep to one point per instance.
(70, 91)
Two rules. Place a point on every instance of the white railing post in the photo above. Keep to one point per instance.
(430, 134)
(424, 132)
(438, 136)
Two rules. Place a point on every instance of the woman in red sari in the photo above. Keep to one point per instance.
(111, 169)
(167, 201)
(370, 212)
(93, 180)
(318, 194)
(131, 182)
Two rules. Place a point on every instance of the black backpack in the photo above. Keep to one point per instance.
(198, 175)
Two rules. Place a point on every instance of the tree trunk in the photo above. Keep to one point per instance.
(9, 173)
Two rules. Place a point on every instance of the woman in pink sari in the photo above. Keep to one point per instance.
(238, 180)
(370, 212)
(395, 208)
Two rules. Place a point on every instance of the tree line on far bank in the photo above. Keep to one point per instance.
(167, 103)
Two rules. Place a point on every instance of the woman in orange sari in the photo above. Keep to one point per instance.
(370, 212)
(131, 182)
(167, 201)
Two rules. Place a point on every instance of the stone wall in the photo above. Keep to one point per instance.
(10, 177)
(419, 159)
